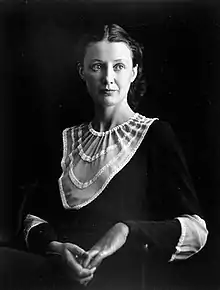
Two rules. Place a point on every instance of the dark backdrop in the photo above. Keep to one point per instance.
(41, 93)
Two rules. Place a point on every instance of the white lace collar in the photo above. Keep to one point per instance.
(100, 134)
(91, 159)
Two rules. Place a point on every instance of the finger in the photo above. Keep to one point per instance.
(79, 253)
(76, 267)
(90, 255)
(96, 261)
(86, 280)
(76, 250)
(86, 273)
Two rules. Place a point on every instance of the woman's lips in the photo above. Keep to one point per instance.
(107, 92)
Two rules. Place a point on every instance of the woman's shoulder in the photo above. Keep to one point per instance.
(161, 133)
(160, 127)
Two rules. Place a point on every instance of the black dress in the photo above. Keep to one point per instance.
(148, 194)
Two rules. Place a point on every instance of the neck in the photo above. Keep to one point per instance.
(109, 117)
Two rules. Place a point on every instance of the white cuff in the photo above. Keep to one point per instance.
(193, 237)
(30, 222)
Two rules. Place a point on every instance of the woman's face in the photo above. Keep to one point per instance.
(108, 72)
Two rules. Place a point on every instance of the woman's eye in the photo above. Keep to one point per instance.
(96, 67)
(119, 66)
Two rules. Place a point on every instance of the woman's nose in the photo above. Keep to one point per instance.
(109, 76)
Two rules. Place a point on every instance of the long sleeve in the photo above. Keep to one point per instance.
(40, 212)
(176, 229)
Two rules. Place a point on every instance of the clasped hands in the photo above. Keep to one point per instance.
(81, 264)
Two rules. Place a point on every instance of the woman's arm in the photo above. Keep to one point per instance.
(171, 240)
(177, 229)
(39, 214)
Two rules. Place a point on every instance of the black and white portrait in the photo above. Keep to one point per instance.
(110, 144)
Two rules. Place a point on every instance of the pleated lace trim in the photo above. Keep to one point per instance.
(91, 159)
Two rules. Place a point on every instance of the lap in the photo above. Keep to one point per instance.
(20, 270)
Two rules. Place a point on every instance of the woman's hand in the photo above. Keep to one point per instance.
(73, 256)
(113, 240)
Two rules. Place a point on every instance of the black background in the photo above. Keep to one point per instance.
(41, 94)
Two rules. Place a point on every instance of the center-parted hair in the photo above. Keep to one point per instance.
(115, 33)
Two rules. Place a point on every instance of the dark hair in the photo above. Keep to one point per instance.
(115, 33)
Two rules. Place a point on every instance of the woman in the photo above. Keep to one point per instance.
(125, 195)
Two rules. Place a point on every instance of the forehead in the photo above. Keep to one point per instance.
(108, 51)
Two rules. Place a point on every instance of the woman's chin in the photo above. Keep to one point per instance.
(108, 100)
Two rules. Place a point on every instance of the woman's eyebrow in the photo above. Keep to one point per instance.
(96, 59)
(115, 60)
(120, 59)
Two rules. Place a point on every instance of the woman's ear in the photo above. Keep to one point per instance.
(80, 70)
(134, 73)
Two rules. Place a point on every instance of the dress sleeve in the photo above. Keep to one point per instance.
(39, 218)
(175, 229)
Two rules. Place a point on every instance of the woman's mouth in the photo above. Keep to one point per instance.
(107, 92)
